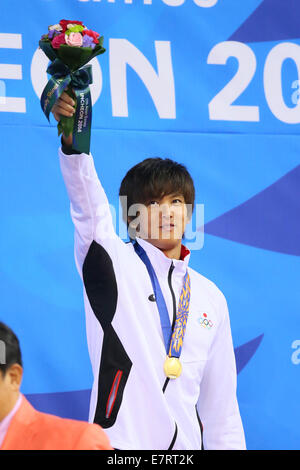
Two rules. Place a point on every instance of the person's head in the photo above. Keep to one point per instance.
(11, 369)
(157, 197)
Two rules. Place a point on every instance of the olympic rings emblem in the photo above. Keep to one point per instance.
(205, 322)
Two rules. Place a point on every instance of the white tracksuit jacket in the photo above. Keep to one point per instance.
(131, 398)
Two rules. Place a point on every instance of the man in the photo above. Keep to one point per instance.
(24, 428)
(158, 332)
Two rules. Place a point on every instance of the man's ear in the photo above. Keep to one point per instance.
(15, 374)
(131, 227)
(129, 221)
(189, 209)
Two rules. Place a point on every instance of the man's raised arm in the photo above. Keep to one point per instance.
(89, 206)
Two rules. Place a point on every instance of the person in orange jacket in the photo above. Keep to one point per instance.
(24, 428)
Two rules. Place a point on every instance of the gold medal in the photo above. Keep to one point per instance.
(172, 367)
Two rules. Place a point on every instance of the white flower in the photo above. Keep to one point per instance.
(56, 27)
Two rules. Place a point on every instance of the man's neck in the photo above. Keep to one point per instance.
(173, 253)
(10, 404)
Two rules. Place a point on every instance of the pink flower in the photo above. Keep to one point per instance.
(58, 40)
(74, 39)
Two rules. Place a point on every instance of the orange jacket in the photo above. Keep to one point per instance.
(31, 430)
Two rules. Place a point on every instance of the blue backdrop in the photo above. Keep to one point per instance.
(212, 84)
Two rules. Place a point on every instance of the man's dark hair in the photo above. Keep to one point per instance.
(11, 348)
(155, 178)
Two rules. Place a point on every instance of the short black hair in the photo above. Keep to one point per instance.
(155, 178)
(12, 351)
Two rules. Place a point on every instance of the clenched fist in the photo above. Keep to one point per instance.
(64, 106)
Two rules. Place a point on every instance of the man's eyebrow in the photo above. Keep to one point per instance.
(153, 198)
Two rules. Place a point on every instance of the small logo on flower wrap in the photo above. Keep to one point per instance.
(205, 322)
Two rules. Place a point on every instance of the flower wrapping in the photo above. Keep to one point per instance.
(70, 45)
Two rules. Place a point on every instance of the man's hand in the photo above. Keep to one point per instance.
(64, 106)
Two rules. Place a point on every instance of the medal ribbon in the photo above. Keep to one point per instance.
(173, 340)
(160, 300)
(181, 318)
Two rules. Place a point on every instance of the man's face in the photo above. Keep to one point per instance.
(9, 389)
(162, 222)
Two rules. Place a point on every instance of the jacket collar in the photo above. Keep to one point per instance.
(161, 263)
(21, 427)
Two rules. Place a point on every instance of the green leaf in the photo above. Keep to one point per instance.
(98, 49)
(74, 57)
(67, 125)
(59, 128)
(48, 50)
(77, 28)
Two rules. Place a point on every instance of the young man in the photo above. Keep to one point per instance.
(158, 332)
(24, 428)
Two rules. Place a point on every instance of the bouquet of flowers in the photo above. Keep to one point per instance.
(70, 46)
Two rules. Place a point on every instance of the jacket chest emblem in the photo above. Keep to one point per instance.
(205, 322)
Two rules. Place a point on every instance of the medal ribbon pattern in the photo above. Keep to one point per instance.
(181, 318)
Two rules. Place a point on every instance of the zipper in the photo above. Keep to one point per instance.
(113, 394)
(172, 293)
(174, 311)
(174, 438)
